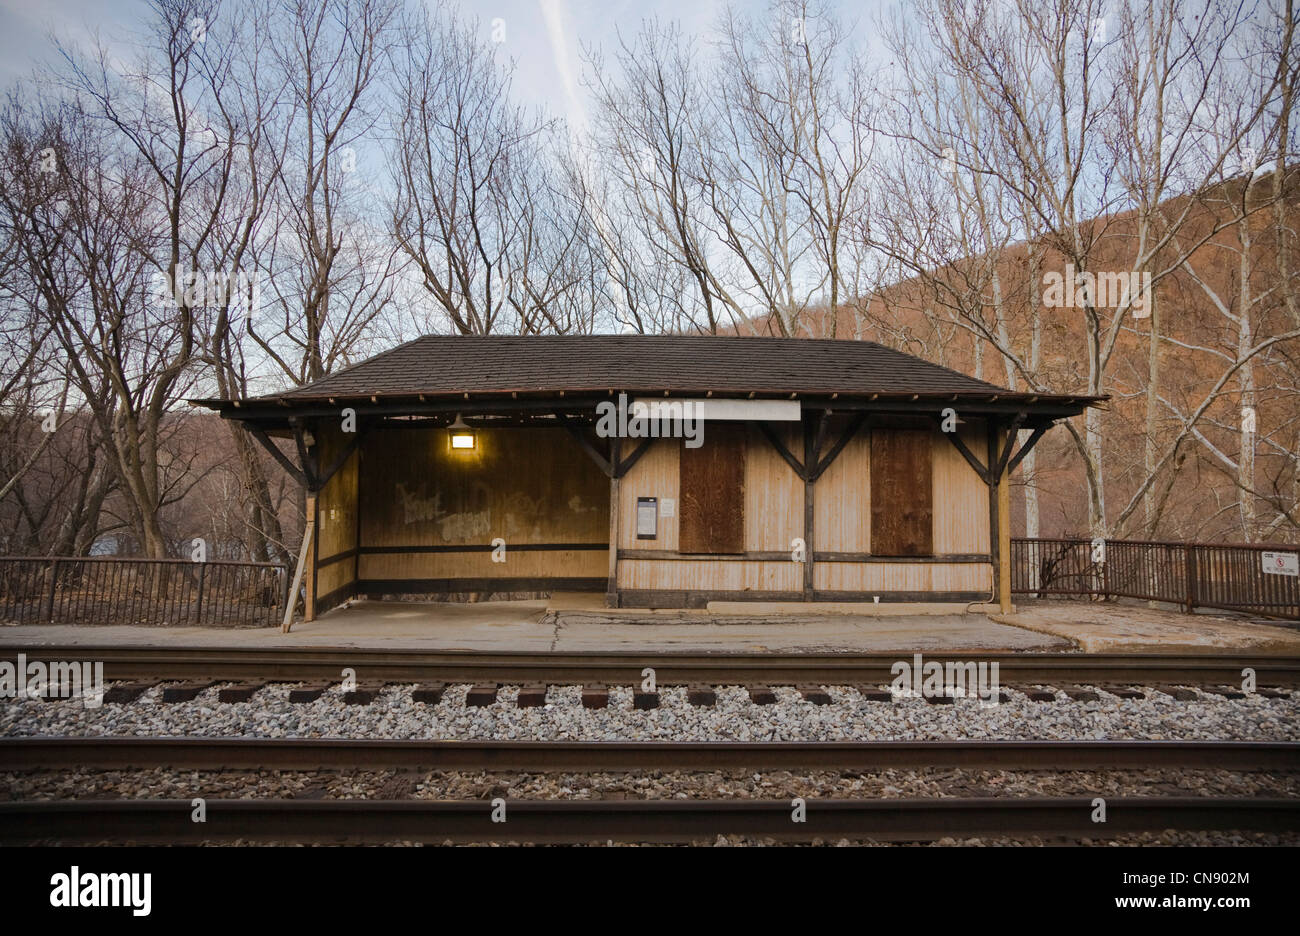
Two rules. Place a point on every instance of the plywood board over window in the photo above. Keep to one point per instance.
(902, 486)
(712, 480)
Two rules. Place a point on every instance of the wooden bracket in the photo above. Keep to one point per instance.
(781, 450)
(624, 466)
(606, 467)
(307, 460)
(984, 474)
(335, 465)
(294, 471)
(1027, 447)
(850, 431)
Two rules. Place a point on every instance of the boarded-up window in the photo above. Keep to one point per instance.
(713, 492)
(902, 513)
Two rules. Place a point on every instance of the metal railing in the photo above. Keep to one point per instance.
(1194, 575)
(118, 590)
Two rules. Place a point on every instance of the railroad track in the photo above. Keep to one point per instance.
(43, 753)
(413, 666)
(554, 821)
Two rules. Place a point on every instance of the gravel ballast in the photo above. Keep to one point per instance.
(162, 783)
(848, 717)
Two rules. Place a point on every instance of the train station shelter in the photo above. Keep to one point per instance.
(662, 471)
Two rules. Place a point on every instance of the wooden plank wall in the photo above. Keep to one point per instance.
(336, 529)
(842, 522)
(527, 486)
(960, 503)
(773, 518)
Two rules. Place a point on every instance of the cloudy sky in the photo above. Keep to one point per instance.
(543, 37)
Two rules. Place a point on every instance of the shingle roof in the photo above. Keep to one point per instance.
(437, 364)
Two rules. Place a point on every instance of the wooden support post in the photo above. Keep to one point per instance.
(304, 554)
(309, 599)
(1004, 540)
(811, 442)
(995, 540)
(611, 589)
(356, 537)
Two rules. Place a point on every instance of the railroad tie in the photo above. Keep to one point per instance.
(309, 692)
(532, 696)
(701, 695)
(1181, 693)
(428, 693)
(1224, 693)
(240, 691)
(1123, 693)
(761, 695)
(1273, 693)
(186, 691)
(481, 695)
(817, 695)
(1039, 695)
(364, 694)
(875, 695)
(644, 701)
(127, 692)
(595, 696)
(1082, 695)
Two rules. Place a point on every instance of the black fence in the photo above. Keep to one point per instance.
(113, 590)
(1194, 575)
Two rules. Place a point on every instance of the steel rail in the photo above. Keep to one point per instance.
(376, 821)
(48, 753)
(139, 662)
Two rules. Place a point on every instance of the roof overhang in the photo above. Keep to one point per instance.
(581, 405)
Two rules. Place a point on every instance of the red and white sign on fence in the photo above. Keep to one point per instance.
(1280, 563)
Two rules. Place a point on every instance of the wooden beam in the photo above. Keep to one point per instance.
(294, 471)
(980, 470)
(995, 539)
(1004, 536)
(1012, 434)
(342, 457)
(812, 440)
(308, 462)
(1027, 447)
(849, 432)
(303, 553)
(313, 570)
(611, 588)
(601, 462)
(623, 467)
(781, 450)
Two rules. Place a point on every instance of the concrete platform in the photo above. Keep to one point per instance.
(528, 625)
(575, 627)
(1104, 627)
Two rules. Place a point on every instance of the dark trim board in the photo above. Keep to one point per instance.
(482, 547)
(666, 598)
(337, 557)
(955, 558)
(885, 597)
(443, 586)
(335, 598)
(673, 555)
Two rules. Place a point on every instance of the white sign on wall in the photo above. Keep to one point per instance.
(1280, 563)
(667, 507)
